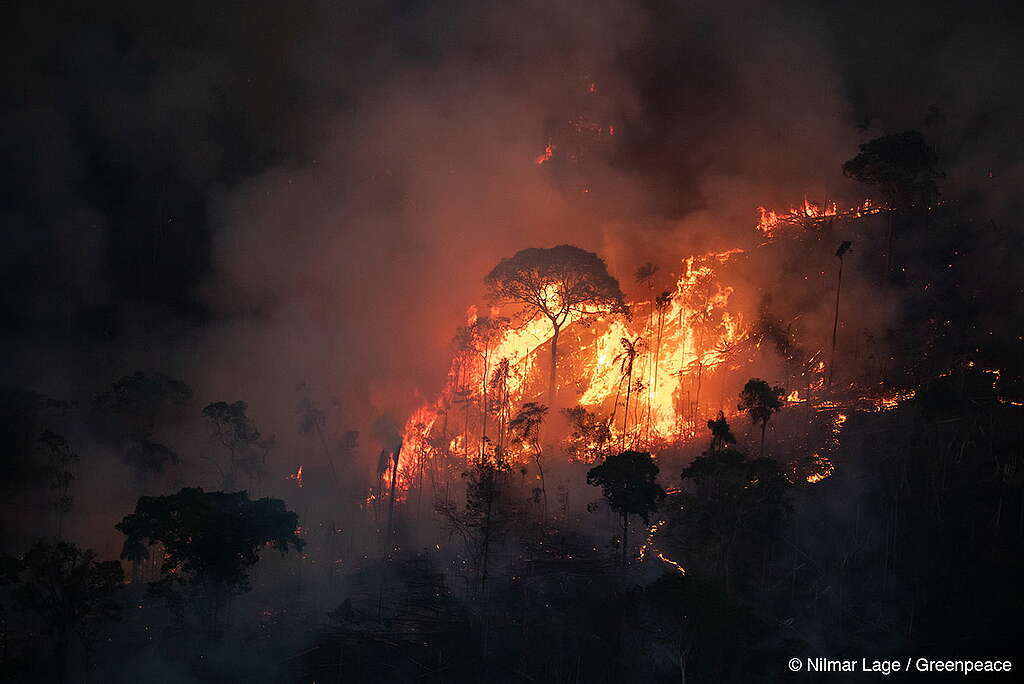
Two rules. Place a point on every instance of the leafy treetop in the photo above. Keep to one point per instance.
(629, 482)
(557, 282)
(901, 166)
(209, 537)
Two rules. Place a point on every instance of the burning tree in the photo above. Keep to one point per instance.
(627, 360)
(590, 435)
(563, 284)
(479, 338)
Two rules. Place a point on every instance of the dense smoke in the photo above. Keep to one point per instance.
(255, 198)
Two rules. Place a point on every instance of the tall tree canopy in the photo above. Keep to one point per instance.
(237, 432)
(140, 397)
(760, 400)
(900, 166)
(209, 541)
(732, 511)
(562, 284)
(629, 482)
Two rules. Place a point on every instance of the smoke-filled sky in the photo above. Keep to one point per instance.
(249, 195)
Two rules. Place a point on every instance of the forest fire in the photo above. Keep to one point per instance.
(811, 216)
(645, 374)
(447, 342)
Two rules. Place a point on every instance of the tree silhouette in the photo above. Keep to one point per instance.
(139, 399)
(67, 589)
(731, 512)
(209, 541)
(312, 421)
(721, 433)
(500, 404)
(24, 415)
(482, 521)
(559, 283)
(901, 167)
(590, 435)
(59, 459)
(479, 338)
(237, 432)
(627, 359)
(526, 426)
(629, 483)
(760, 400)
(130, 412)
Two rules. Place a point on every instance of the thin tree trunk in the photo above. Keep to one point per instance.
(543, 488)
(835, 323)
(327, 454)
(625, 537)
(391, 498)
(554, 366)
(625, 417)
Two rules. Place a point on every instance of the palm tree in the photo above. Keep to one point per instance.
(626, 358)
(760, 400)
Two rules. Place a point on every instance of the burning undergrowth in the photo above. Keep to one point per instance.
(649, 377)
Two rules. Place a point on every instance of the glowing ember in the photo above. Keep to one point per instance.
(888, 402)
(546, 155)
(297, 476)
(649, 544)
(825, 468)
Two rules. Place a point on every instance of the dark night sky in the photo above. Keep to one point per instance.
(139, 139)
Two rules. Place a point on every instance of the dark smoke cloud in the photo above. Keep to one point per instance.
(253, 195)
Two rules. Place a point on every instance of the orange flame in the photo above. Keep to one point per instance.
(546, 155)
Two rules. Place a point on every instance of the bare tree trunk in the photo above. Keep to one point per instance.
(835, 323)
(327, 454)
(764, 426)
(554, 366)
(391, 498)
(625, 538)
(543, 488)
(888, 251)
(483, 390)
(625, 417)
